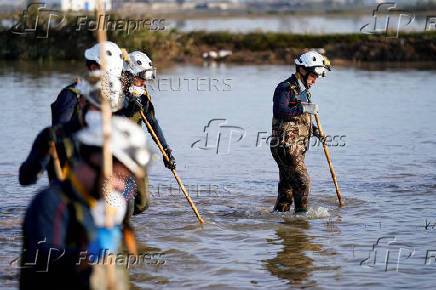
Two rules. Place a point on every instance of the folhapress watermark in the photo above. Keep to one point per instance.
(105, 22)
(42, 257)
(37, 21)
(105, 257)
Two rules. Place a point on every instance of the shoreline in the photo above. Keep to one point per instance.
(165, 64)
(249, 48)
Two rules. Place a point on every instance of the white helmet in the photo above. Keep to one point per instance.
(127, 139)
(313, 62)
(113, 57)
(140, 65)
(109, 84)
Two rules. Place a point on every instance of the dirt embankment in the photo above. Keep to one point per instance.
(279, 48)
(251, 48)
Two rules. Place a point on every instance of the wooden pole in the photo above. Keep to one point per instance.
(176, 176)
(106, 116)
(327, 155)
(57, 164)
(107, 128)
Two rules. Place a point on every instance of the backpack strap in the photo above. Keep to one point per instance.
(293, 88)
(76, 229)
(147, 95)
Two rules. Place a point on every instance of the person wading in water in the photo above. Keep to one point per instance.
(291, 129)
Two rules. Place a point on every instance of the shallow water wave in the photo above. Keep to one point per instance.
(311, 214)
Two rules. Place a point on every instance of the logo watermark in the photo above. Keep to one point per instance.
(37, 21)
(220, 137)
(387, 253)
(388, 20)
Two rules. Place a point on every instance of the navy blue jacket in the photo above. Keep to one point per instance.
(285, 104)
(39, 158)
(65, 106)
(53, 239)
(151, 118)
(131, 111)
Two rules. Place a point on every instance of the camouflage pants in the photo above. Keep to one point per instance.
(288, 147)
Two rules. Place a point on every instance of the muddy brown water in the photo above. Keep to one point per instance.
(384, 237)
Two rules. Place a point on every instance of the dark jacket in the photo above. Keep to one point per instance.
(288, 101)
(131, 111)
(285, 103)
(58, 226)
(65, 106)
(39, 158)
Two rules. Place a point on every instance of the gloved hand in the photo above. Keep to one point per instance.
(171, 164)
(310, 108)
(133, 106)
(105, 239)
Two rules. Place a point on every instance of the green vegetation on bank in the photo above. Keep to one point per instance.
(68, 43)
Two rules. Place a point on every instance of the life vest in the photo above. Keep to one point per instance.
(67, 155)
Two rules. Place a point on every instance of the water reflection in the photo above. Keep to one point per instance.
(291, 23)
(293, 262)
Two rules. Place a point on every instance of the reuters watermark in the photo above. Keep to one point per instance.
(194, 189)
(189, 84)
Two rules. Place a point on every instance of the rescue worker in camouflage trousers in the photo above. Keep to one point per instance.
(292, 128)
(135, 74)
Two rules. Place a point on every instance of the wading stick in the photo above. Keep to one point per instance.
(176, 176)
(57, 164)
(327, 155)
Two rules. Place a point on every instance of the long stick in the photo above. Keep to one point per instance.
(327, 155)
(107, 129)
(165, 155)
(106, 119)
(57, 164)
